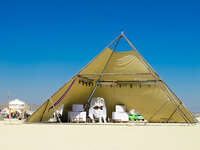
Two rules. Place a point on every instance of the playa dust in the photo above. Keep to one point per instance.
(21, 136)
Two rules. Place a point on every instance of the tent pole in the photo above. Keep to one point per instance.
(55, 110)
(172, 114)
(44, 111)
(163, 88)
(101, 52)
(110, 56)
(9, 107)
(177, 107)
(75, 75)
(114, 40)
(97, 82)
(131, 45)
(156, 112)
(90, 97)
(178, 99)
(170, 98)
(111, 74)
(153, 75)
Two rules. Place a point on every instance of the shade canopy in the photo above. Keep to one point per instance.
(120, 78)
(16, 104)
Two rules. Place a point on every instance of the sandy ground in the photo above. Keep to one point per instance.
(18, 136)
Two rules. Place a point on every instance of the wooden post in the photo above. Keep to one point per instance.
(9, 114)
(9, 107)
(22, 114)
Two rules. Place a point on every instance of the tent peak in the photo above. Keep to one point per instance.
(116, 42)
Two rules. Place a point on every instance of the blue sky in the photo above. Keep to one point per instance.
(44, 43)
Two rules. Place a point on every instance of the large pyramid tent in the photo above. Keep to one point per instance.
(120, 77)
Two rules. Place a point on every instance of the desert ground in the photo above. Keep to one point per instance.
(15, 135)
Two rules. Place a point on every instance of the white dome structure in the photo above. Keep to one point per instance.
(16, 104)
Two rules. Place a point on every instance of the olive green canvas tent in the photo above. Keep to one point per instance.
(120, 78)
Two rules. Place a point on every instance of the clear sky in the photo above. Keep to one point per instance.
(44, 43)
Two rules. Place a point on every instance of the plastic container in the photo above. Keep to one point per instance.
(120, 108)
(120, 116)
(77, 108)
(77, 116)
